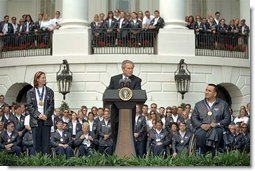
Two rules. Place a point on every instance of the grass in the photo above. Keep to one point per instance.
(233, 158)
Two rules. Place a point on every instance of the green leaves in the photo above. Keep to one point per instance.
(233, 158)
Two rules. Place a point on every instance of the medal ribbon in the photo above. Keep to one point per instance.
(208, 107)
(40, 95)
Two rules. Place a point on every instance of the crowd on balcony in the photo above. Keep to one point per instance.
(26, 32)
(157, 130)
(120, 27)
(214, 31)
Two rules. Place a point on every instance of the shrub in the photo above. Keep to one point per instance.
(233, 158)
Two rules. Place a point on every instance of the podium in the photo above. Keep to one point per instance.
(125, 139)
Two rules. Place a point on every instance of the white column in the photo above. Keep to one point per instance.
(175, 38)
(245, 11)
(75, 14)
(3, 9)
(73, 37)
(173, 13)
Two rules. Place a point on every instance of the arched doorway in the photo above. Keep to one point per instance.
(223, 94)
(17, 93)
(232, 95)
(22, 96)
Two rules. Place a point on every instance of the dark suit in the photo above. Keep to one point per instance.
(27, 143)
(160, 24)
(10, 28)
(40, 128)
(84, 150)
(5, 139)
(57, 139)
(180, 143)
(157, 143)
(139, 127)
(105, 146)
(31, 27)
(19, 124)
(135, 82)
(170, 120)
(97, 31)
(70, 127)
(135, 29)
(245, 33)
(114, 84)
(11, 118)
(111, 28)
(123, 31)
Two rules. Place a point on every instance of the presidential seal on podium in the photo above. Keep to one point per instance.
(125, 93)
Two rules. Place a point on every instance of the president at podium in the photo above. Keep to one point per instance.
(126, 79)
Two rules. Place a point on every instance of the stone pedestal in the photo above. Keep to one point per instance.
(68, 42)
(179, 42)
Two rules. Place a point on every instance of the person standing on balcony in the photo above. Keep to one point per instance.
(38, 23)
(5, 26)
(101, 18)
(117, 14)
(135, 29)
(46, 24)
(217, 18)
(40, 103)
(110, 26)
(123, 25)
(56, 22)
(244, 30)
(28, 25)
(147, 19)
(14, 25)
(96, 28)
(157, 22)
(140, 16)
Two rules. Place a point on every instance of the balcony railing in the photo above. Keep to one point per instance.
(125, 41)
(223, 45)
(23, 45)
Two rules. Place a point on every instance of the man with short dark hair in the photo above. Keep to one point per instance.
(9, 139)
(210, 116)
(5, 26)
(180, 141)
(127, 69)
(61, 141)
(139, 132)
(157, 22)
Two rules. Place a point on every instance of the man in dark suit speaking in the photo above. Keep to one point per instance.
(127, 69)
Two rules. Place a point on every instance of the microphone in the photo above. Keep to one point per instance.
(127, 83)
(121, 83)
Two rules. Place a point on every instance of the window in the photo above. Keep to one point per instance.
(125, 5)
(48, 7)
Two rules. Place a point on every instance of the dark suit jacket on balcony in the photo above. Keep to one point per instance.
(160, 23)
(10, 28)
(113, 25)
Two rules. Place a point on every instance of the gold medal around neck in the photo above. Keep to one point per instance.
(209, 113)
(41, 103)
